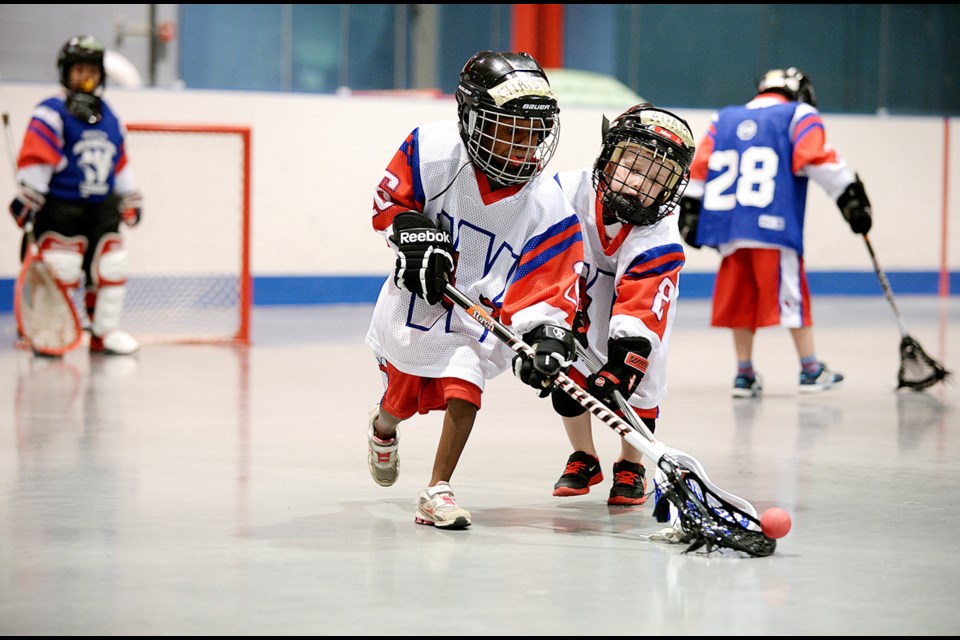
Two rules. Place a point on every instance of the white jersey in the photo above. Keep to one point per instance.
(518, 252)
(632, 283)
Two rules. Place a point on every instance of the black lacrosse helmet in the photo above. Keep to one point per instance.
(84, 103)
(646, 150)
(81, 49)
(791, 82)
(507, 90)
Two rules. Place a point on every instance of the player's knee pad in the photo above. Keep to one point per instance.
(63, 256)
(110, 264)
(106, 312)
(564, 405)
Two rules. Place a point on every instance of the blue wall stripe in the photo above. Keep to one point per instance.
(308, 290)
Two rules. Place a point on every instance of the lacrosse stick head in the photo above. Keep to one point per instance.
(706, 517)
(917, 369)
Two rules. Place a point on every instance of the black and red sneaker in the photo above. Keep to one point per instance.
(629, 484)
(582, 472)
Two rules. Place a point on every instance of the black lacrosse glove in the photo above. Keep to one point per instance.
(626, 365)
(554, 349)
(855, 207)
(689, 217)
(25, 205)
(424, 256)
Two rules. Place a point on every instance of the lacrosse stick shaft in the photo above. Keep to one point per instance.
(622, 404)
(885, 284)
(11, 148)
(648, 446)
(637, 435)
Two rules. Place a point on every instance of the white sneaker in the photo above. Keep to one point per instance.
(383, 456)
(437, 507)
(744, 387)
(114, 342)
(822, 380)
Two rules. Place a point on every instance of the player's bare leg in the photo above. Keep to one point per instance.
(457, 425)
(437, 505)
(747, 384)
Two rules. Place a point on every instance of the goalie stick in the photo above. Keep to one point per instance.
(42, 306)
(917, 369)
(709, 516)
(45, 313)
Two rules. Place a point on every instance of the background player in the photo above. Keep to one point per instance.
(747, 198)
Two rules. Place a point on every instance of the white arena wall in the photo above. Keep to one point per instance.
(316, 160)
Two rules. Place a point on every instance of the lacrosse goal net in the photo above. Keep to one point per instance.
(189, 279)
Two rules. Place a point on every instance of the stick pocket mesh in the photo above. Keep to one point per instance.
(45, 313)
(917, 369)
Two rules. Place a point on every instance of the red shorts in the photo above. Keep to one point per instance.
(408, 394)
(761, 288)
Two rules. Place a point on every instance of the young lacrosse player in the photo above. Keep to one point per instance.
(633, 254)
(747, 198)
(76, 186)
(465, 201)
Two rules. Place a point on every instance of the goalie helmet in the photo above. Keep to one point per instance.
(83, 103)
(508, 116)
(644, 165)
(791, 82)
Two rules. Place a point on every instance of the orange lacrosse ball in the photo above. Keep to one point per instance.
(775, 522)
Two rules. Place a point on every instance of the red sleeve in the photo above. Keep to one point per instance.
(645, 289)
(122, 160)
(547, 272)
(810, 144)
(41, 145)
(399, 189)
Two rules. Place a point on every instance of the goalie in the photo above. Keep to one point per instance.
(633, 254)
(76, 186)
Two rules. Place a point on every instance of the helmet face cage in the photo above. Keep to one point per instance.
(508, 116)
(644, 166)
(81, 49)
(791, 82)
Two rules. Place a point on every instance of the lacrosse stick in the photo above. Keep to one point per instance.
(45, 314)
(708, 515)
(44, 310)
(917, 369)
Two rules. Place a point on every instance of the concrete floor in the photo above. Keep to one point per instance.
(203, 490)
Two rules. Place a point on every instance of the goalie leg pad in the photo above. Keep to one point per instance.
(63, 256)
(109, 273)
(110, 262)
(106, 313)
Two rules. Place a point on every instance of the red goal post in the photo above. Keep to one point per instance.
(189, 279)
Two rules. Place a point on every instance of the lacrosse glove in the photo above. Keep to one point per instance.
(131, 208)
(855, 207)
(25, 205)
(424, 256)
(688, 220)
(554, 351)
(626, 365)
